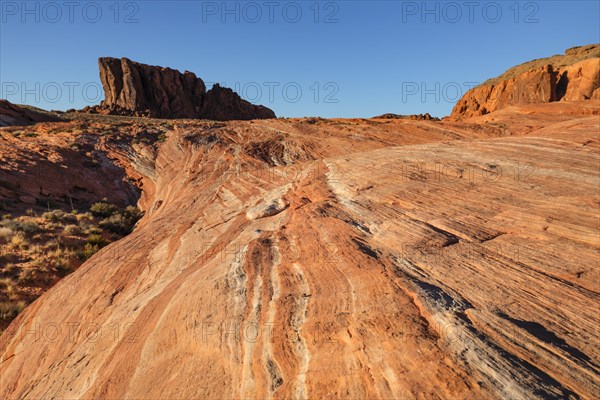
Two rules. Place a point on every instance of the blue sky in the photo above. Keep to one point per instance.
(300, 58)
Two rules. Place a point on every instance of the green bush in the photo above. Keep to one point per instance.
(59, 216)
(103, 209)
(122, 222)
(118, 224)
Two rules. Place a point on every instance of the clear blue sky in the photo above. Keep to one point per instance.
(348, 58)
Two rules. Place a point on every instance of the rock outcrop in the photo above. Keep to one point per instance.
(414, 117)
(158, 92)
(222, 103)
(570, 77)
(13, 115)
(138, 89)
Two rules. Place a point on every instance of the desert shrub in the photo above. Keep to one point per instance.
(103, 209)
(132, 212)
(72, 230)
(28, 228)
(59, 216)
(62, 266)
(88, 251)
(10, 309)
(117, 224)
(19, 241)
(85, 217)
(123, 222)
(96, 240)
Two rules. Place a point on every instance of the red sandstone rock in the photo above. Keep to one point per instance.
(221, 104)
(142, 90)
(316, 258)
(574, 76)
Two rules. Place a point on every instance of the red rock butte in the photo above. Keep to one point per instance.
(132, 88)
(337, 258)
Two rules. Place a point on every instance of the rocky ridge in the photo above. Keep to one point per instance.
(573, 76)
(13, 115)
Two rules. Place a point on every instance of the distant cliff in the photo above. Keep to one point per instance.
(569, 77)
(137, 89)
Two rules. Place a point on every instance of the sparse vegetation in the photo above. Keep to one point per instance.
(88, 251)
(19, 241)
(103, 209)
(122, 222)
(38, 248)
(59, 216)
(26, 227)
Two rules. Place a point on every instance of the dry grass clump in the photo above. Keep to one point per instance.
(72, 230)
(19, 241)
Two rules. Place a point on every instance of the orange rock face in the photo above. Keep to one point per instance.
(337, 259)
(572, 77)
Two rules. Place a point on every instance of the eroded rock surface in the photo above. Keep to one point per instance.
(337, 259)
(573, 76)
